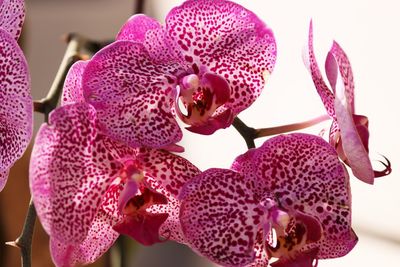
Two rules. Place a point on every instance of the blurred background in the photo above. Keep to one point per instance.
(368, 32)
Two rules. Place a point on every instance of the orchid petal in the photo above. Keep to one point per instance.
(16, 113)
(171, 229)
(143, 228)
(70, 171)
(310, 61)
(305, 175)
(305, 259)
(261, 259)
(169, 170)
(99, 239)
(342, 61)
(136, 27)
(3, 178)
(12, 15)
(220, 121)
(131, 95)
(353, 147)
(72, 91)
(230, 41)
(219, 216)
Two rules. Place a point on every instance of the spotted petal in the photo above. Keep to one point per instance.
(226, 39)
(342, 64)
(305, 175)
(12, 15)
(99, 239)
(310, 61)
(70, 172)
(16, 102)
(136, 27)
(131, 95)
(72, 91)
(219, 216)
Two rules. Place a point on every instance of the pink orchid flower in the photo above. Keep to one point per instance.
(349, 132)
(287, 200)
(207, 64)
(16, 108)
(88, 189)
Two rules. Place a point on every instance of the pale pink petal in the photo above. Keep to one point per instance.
(342, 61)
(220, 217)
(16, 108)
(131, 95)
(12, 15)
(227, 39)
(310, 61)
(261, 259)
(99, 239)
(353, 146)
(72, 91)
(171, 229)
(136, 27)
(70, 171)
(305, 175)
(169, 170)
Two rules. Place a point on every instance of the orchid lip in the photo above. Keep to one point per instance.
(200, 96)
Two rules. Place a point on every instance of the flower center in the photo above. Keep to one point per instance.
(200, 96)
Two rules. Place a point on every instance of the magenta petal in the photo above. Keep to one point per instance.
(304, 259)
(144, 228)
(220, 217)
(304, 174)
(16, 106)
(310, 61)
(228, 40)
(219, 85)
(3, 179)
(129, 191)
(352, 144)
(342, 61)
(132, 95)
(220, 121)
(136, 27)
(70, 171)
(12, 15)
(72, 91)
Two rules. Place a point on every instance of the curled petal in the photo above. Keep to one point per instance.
(353, 146)
(338, 55)
(70, 172)
(136, 27)
(131, 95)
(386, 171)
(72, 91)
(219, 216)
(16, 114)
(304, 174)
(230, 41)
(12, 15)
(310, 61)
